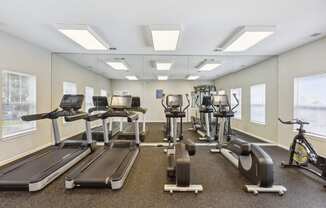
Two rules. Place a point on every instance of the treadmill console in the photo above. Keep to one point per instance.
(72, 102)
(135, 102)
(121, 101)
(100, 101)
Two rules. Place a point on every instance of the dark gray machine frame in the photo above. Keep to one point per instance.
(178, 153)
(34, 172)
(112, 163)
(251, 160)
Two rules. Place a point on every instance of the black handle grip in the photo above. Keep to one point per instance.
(34, 117)
(76, 117)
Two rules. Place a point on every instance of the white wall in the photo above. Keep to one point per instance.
(64, 70)
(265, 72)
(20, 56)
(303, 61)
(146, 91)
(278, 73)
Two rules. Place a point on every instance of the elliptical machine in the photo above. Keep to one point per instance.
(251, 160)
(178, 153)
(202, 120)
(302, 152)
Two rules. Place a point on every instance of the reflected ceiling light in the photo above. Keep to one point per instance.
(163, 66)
(117, 65)
(162, 77)
(165, 37)
(207, 65)
(192, 77)
(83, 35)
(247, 37)
(131, 78)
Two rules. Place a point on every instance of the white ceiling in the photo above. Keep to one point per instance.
(206, 24)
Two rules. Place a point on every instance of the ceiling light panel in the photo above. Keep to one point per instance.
(162, 77)
(163, 66)
(165, 37)
(84, 36)
(117, 65)
(131, 78)
(192, 77)
(209, 66)
(247, 37)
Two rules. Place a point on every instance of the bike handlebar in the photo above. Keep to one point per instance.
(293, 121)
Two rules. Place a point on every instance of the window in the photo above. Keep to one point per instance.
(89, 93)
(310, 102)
(221, 92)
(18, 99)
(237, 93)
(104, 93)
(69, 88)
(257, 103)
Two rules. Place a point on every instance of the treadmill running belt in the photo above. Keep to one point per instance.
(100, 171)
(40, 167)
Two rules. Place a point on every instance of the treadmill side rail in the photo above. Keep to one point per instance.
(117, 184)
(42, 183)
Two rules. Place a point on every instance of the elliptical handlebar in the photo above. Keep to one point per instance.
(162, 102)
(236, 100)
(188, 101)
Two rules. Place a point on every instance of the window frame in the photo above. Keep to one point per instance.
(21, 133)
(240, 102)
(63, 87)
(85, 106)
(312, 135)
(103, 90)
(251, 119)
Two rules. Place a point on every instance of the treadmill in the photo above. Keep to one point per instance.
(126, 129)
(110, 165)
(34, 172)
(101, 104)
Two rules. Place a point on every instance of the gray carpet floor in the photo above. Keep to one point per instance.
(144, 186)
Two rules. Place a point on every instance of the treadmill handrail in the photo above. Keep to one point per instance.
(120, 113)
(38, 116)
(84, 116)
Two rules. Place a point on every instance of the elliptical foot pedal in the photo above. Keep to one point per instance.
(214, 150)
(273, 189)
(191, 188)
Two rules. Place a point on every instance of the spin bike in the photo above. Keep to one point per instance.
(302, 152)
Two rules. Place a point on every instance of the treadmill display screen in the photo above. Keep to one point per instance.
(72, 102)
(121, 101)
(100, 101)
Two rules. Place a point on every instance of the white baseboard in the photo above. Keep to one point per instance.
(283, 147)
(255, 136)
(262, 138)
(21, 155)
